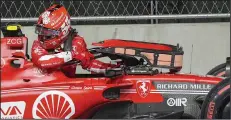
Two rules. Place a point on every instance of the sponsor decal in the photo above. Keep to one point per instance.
(143, 87)
(2, 62)
(45, 17)
(57, 20)
(76, 87)
(12, 110)
(65, 26)
(87, 87)
(38, 51)
(210, 110)
(183, 86)
(172, 88)
(177, 102)
(53, 104)
(14, 41)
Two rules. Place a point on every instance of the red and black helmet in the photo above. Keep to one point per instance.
(53, 26)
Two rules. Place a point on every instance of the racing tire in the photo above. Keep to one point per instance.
(218, 70)
(217, 102)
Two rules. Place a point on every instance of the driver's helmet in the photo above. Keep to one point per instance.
(53, 26)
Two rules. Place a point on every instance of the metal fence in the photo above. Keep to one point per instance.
(121, 11)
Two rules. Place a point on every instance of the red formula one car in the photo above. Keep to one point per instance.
(137, 90)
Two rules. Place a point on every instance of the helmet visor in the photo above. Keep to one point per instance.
(45, 31)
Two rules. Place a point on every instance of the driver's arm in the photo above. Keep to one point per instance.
(87, 59)
(42, 59)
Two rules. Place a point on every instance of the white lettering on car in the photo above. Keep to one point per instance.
(14, 41)
(177, 101)
(172, 86)
(12, 110)
(87, 87)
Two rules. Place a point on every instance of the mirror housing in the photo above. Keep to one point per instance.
(19, 54)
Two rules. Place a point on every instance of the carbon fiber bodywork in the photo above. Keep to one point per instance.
(181, 90)
(179, 98)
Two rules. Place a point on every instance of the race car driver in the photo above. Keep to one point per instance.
(58, 43)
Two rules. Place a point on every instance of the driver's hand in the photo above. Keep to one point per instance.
(83, 57)
(74, 54)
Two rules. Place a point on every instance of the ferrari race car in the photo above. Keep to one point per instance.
(139, 89)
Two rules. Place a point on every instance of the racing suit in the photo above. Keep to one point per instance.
(54, 59)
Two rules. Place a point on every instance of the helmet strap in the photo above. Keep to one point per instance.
(68, 42)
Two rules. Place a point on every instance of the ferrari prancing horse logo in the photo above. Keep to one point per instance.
(143, 88)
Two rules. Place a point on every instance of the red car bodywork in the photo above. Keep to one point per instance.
(28, 92)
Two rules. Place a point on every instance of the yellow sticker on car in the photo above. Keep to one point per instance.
(13, 27)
